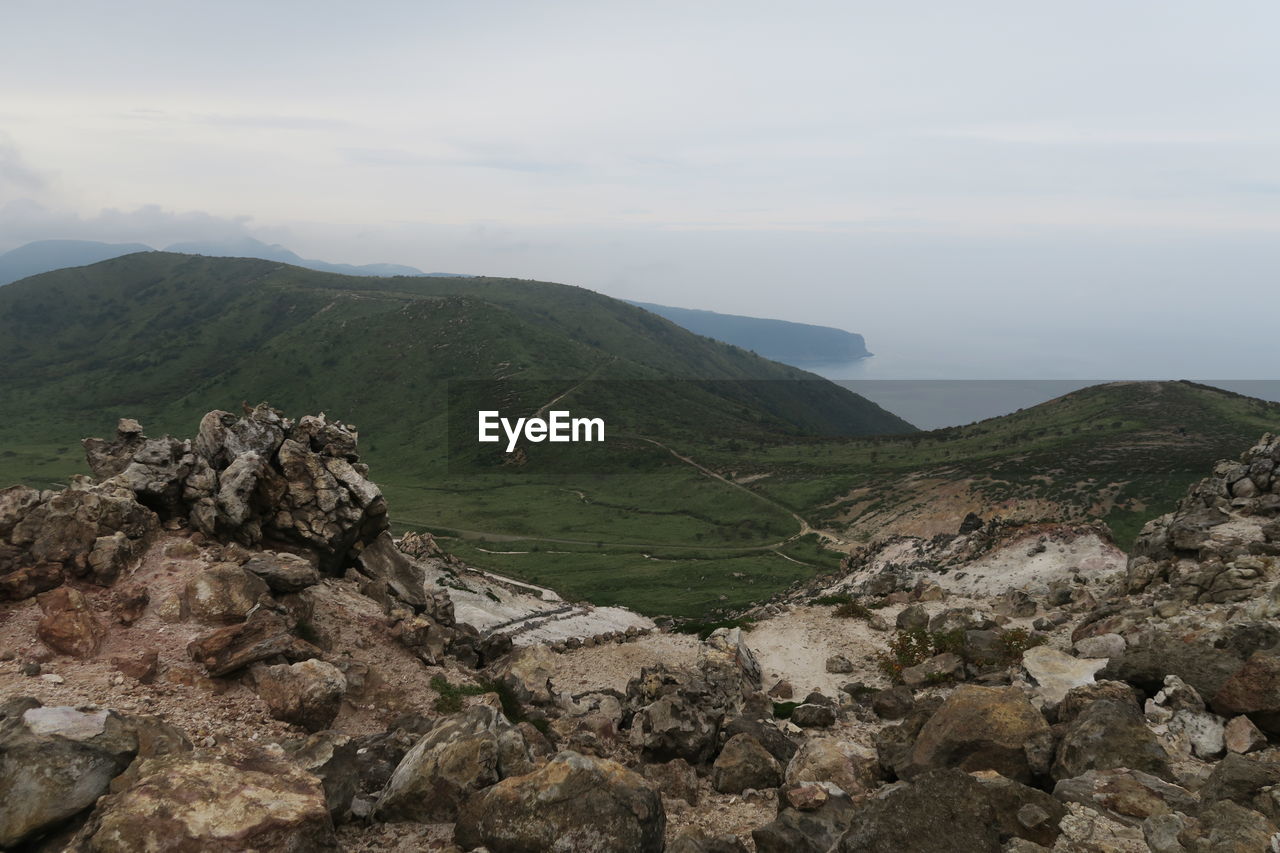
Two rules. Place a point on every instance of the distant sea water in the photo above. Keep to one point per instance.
(933, 403)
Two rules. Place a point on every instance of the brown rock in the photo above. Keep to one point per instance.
(141, 664)
(984, 728)
(1243, 736)
(853, 768)
(1253, 690)
(675, 779)
(781, 690)
(263, 635)
(68, 625)
(742, 764)
(130, 603)
(307, 694)
(30, 580)
(223, 593)
(806, 797)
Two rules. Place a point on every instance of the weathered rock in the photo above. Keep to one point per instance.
(854, 769)
(983, 728)
(1079, 698)
(839, 663)
(675, 779)
(1226, 827)
(283, 572)
(264, 635)
(811, 830)
(944, 811)
(189, 804)
(781, 689)
(1126, 796)
(572, 803)
(775, 742)
(1056, 673)
(223, 593)
(813, 716)
(893, 703)
(913, 618)
(1242, 736)
(694, 840)
(1101, 646)
(1205, 733)
(527, 672)
(743, 763)
(1248, 782)
(459, 756)
(332, 758)
(729, 666)
(1108, 734)
(678, 714)
(1253, 690)
(404, 576)
(140, 664)
(308, 693)
(938, 669)
(68, 624)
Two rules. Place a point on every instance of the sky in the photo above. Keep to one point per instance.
(983, 189)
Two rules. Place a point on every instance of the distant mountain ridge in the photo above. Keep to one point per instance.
(49, 255)
(797, 344)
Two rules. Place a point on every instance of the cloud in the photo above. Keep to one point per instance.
(16, 177)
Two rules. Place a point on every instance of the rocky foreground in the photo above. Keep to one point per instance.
(215, 644)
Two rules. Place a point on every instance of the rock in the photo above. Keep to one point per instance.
(331, 757)
(68, 624)
(459, 756)
(528, 671)
(775, 742)
(781, 690)
(944, 811)
(1248, 782)
(404, 576)
(806, 797)
(812, 830)
(813, 716)
(893, 703)
(308, 693)
(1242, 736)
(1204, 732)
(1229, 828)
(1125, 796)
(185, 804)
(223, 593)
(913, 618)
(1101, 646)
(571, 803)
(694, 840)
(983, 728)
(265, 634)
(141, 664)
(1253, 690)
(283, 572)
(675, 779)
(1108, 734)
(1163, 832)
(955, 619)
(852, 768)
(938, 669)
(1056, 673)
(678, 714)
(729, 666)
(743, 763)
(130, 602)
(838, 664)
(1079, 698)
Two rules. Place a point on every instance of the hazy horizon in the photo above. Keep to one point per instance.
(986, 190)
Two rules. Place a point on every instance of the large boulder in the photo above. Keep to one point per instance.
(527, 671)
(282, 572)
(459, 756)
(854, 769)
(944, 811)
(812, 829)
(743, 763)
(308, 693)
(1109, 734)
(572, 804)
(678, 714)
(984, 728)
(1126, 796)
(57, 761)
(263, 636)
(193, 804)
(1254, 690)
(222, 593)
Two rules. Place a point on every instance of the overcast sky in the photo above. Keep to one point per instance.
(1084, 189)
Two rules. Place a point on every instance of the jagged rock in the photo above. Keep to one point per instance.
(405, 577)
(30, 580)
(677, 714)
(1225, 827)
(1164, 832)
(1084, 830)
(459, 756)
(140, 664)
(264, 635)
(675, 779)
(68, 624)
(813, 716)
(1242, 736)
(775, 742)
(944, 811)
(223, 593)
(812, 830)
(331, 757)
(190, 804)
(806, 796)
(694, 840)
(743, 763)
(1205, 657)
(1109, 734)
(913, 618)
(57, 761)
(1248, 782)
(1126, 796)
(936, 670)
(130, 602)
(106, 459)
(854, 769)
(893, 703)
(1079, 698)
(983, 728)
(528, 671)
(283, 572)
(1056, 673)
(960, 619)
(573, 802)
(1254, 690)
(1203, 732)
(729, 666)
(839, 663)
(308, 693)
(222, 437)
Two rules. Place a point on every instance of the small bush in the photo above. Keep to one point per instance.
(852, 610)
(832, 600)
(782, 710)
(450, 699)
